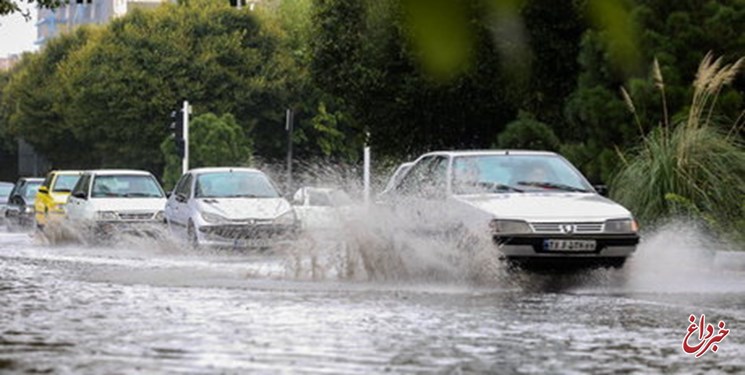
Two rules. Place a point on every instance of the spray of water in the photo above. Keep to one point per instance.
(373, 242)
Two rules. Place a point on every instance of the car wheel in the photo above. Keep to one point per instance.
(191, 233)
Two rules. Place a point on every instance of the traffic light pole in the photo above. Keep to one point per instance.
(289, 127)
(185, 161)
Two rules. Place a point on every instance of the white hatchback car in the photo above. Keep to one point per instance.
(535, 206)
(229, 207)
(322, 209)
(116, 200)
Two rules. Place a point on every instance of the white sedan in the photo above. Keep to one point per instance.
(229, 207)
(535, 206)
(116, 200)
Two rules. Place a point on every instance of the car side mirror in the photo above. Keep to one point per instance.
(602, 190)
(79, 194)
(168, 194)
(44, 190)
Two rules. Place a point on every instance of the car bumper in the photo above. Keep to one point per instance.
(607, 246)
(245, 236)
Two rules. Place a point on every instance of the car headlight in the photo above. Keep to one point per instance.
(160, 216)
(287, 218)
(509, 227)
(213, 218)
(107, 215)
(621, 226)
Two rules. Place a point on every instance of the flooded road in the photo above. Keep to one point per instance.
(143, 307)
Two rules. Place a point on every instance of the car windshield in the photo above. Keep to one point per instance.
(515, 173)
(65, 183)
(126, 186)
(31, 188)
(234, 184)
(5, 190)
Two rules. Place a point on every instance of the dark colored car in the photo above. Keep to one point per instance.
(5, 189)
(19, 212)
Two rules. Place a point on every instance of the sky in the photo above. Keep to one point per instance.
(16, 34)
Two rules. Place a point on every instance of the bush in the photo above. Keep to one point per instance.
(693, 167)
(527, 133)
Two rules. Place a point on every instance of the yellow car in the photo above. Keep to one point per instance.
(52, 196)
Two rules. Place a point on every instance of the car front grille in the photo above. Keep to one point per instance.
(246, 231)
(562, 228)
(133, 216)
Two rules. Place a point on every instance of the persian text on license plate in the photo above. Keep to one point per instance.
(569, 245)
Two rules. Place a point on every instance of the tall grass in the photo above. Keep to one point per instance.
(694, 166)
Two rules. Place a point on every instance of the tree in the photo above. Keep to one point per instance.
(213, 142)
(529, 134)
(13, 6)
(33, 102)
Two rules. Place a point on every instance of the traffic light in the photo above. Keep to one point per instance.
(177, 131)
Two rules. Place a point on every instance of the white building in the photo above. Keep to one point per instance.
(51, 23)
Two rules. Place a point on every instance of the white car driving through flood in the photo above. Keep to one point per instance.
(535, 207)
(110, 201)
(229, 207)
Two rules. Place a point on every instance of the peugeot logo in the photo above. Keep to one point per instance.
(568, 228)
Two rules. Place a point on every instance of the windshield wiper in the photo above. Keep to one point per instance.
(146, 195)
(499, 187)
(552, 185)
(242, 196)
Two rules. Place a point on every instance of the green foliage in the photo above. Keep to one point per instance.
(14, 6)
(33, 102)
(213, 142)
(693, 166)
(529, 134)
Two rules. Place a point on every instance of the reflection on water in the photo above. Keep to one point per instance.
(140, 305)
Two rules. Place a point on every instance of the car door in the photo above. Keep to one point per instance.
(177, 207)
(78, 199)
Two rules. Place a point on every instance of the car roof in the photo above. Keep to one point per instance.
(31, 179)
(118, 172)
(491, 152)
(223, 169)
(66, 171)
(6, 183)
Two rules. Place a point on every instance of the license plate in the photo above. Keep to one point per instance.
(569, 245)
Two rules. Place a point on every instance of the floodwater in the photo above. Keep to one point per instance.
(146, 306)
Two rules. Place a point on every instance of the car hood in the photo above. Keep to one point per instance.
(244, 208)
(546, 206)
(128, 204)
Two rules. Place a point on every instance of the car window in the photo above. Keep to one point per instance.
(340, 198)
(81, 187)
(508, 173)
(65, 182)
(184, 186)
(125, 186)
(411, 183)
(48, 181)
(437, 179)
(5, 190)
(234, 184)
(318, 198)
(29, 189)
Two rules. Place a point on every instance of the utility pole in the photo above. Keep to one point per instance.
(185, 161)
(366, 170)
(289, 118)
